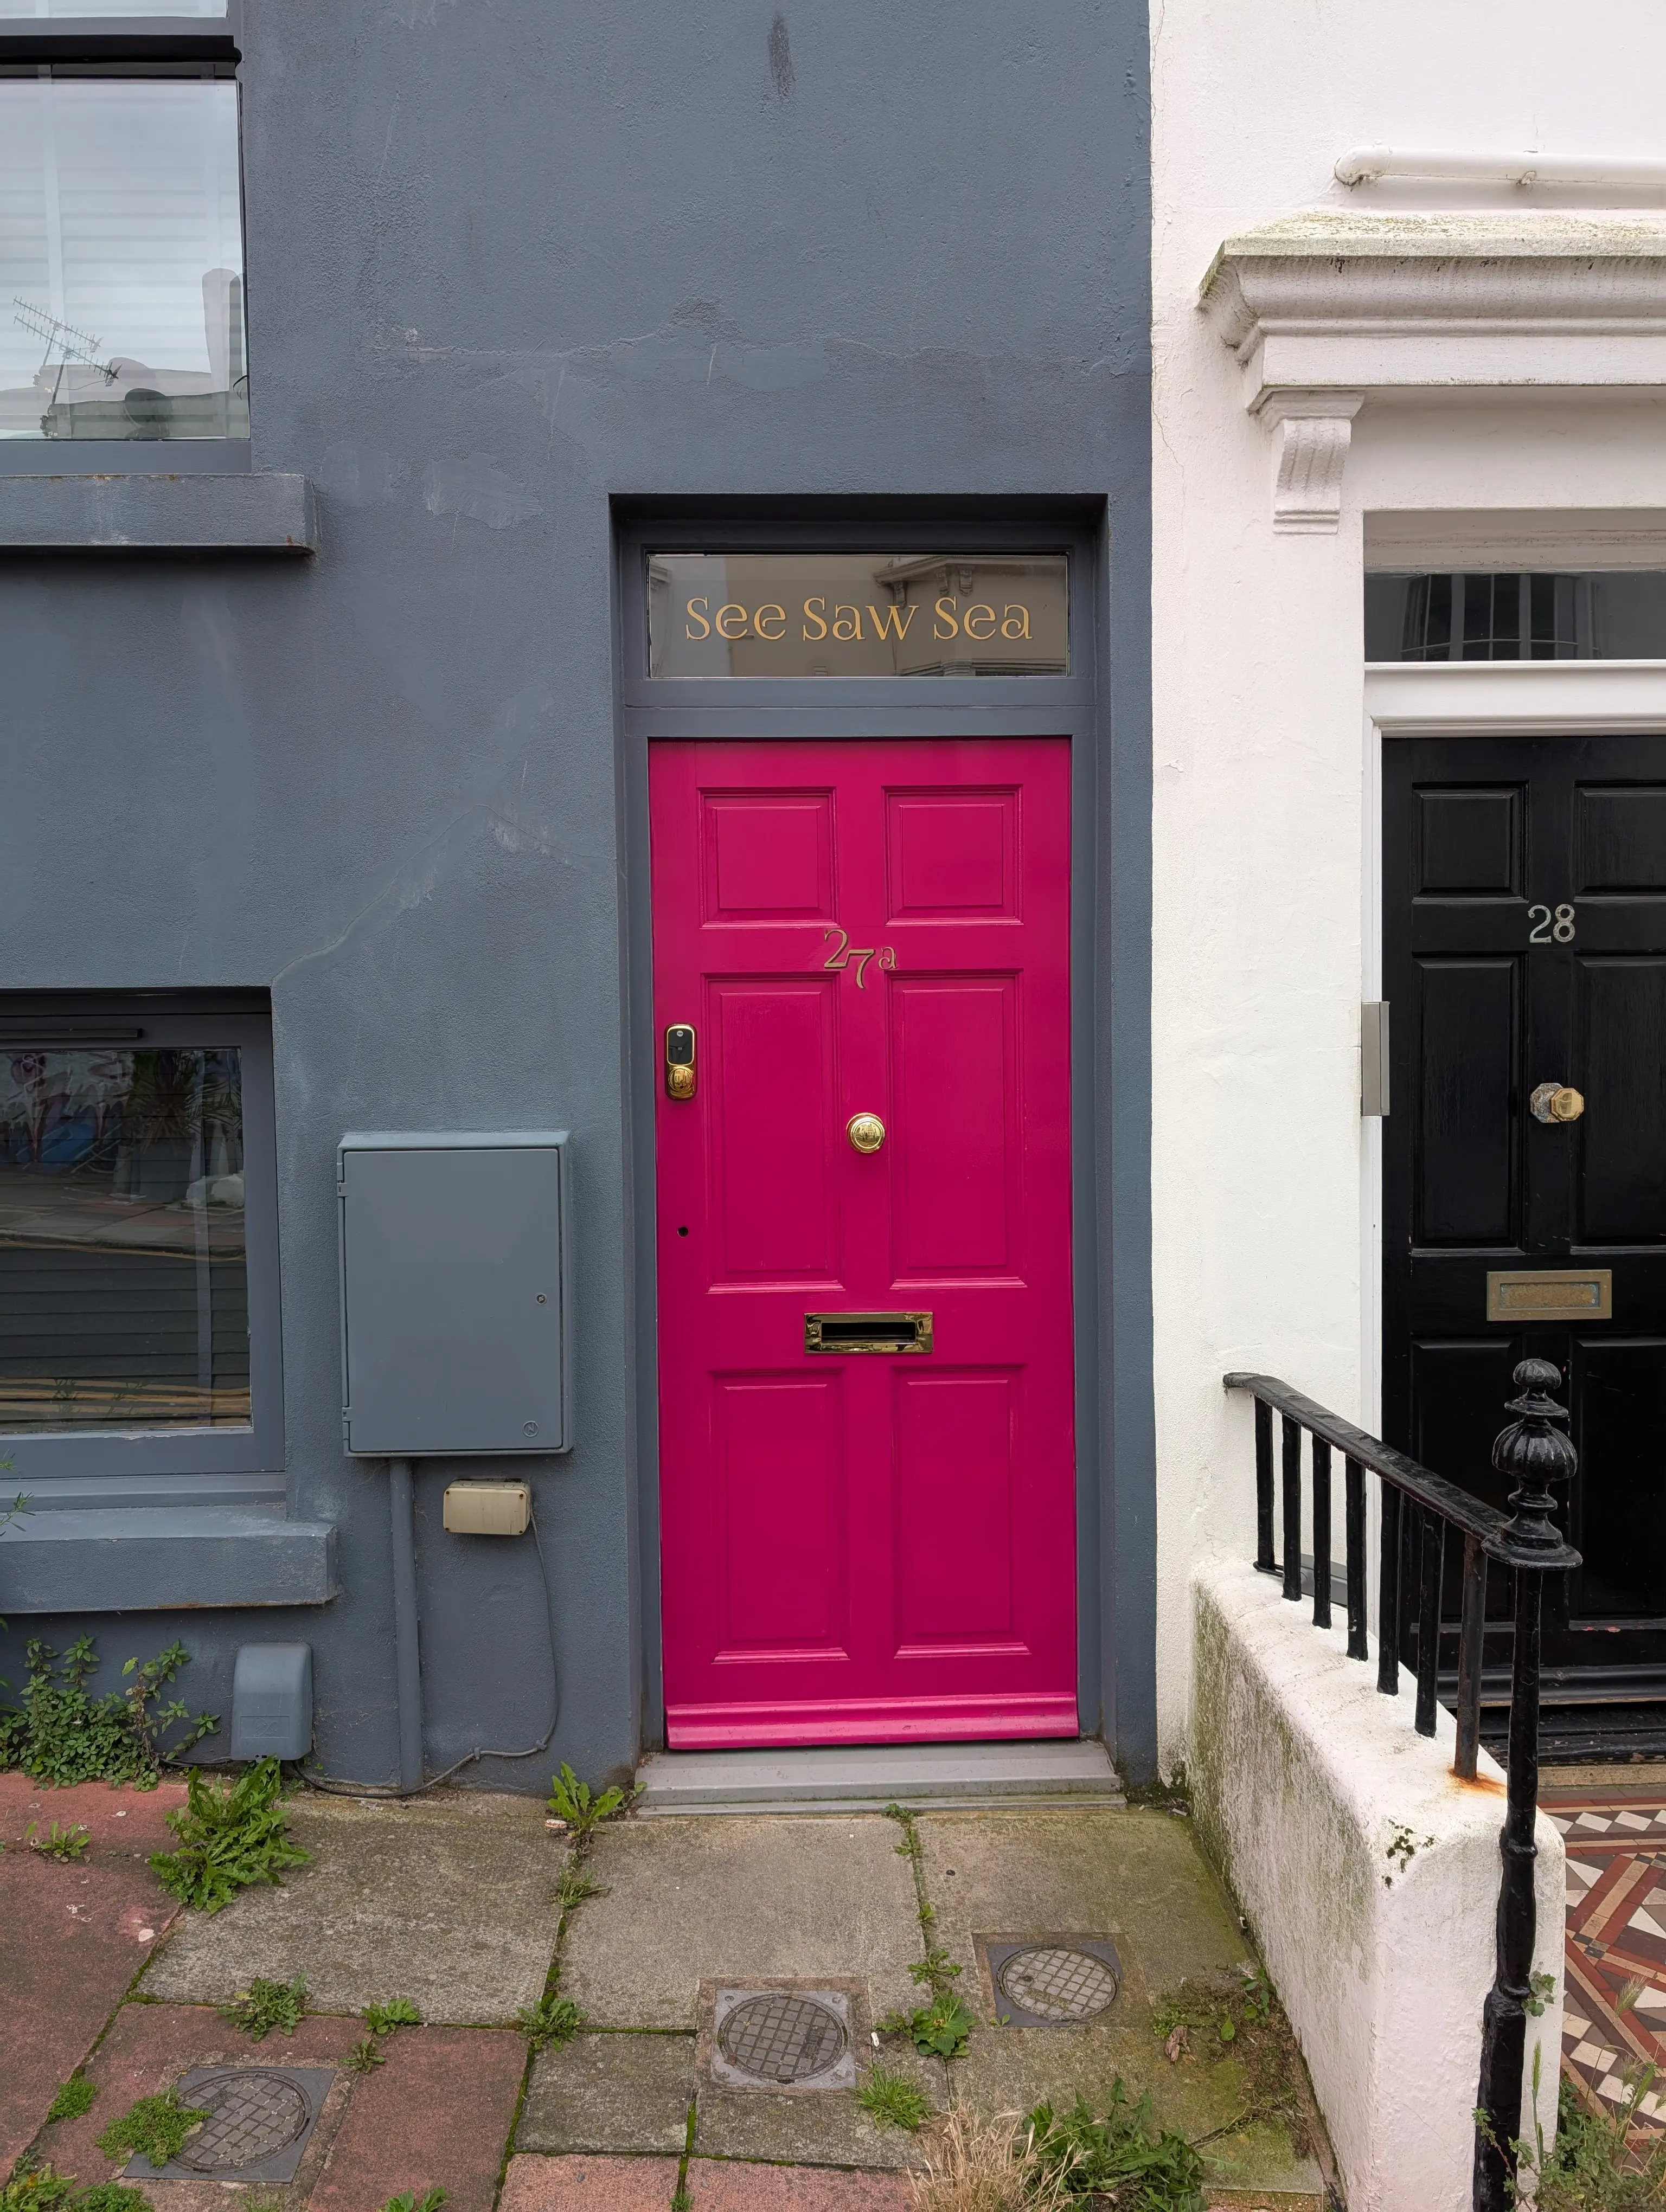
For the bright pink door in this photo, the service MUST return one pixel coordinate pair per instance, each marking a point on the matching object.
(865, 1546)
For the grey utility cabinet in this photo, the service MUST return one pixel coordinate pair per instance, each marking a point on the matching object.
(456, 1317)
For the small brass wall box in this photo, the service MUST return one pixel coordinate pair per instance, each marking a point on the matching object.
(487, 1509)
(1550, 1294)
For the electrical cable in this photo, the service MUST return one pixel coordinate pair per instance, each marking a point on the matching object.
(335, 1785)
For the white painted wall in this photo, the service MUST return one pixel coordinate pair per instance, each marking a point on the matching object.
(1263, 1174)
(1369, 1876)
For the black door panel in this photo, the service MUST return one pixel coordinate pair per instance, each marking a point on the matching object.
(1524, 943)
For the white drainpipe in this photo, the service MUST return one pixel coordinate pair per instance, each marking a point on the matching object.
(1366, 165)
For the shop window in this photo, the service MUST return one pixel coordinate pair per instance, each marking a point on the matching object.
(121, 247)
(137, 1277)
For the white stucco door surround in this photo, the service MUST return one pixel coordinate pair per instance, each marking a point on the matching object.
(1358, 387)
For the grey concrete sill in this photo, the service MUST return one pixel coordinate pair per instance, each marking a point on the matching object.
(135, 1558)
(191, 513)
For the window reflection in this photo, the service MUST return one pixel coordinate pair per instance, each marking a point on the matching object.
(1601, 615)
(123, 1286)
(121, 259)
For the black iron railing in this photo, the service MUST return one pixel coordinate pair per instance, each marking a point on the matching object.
(1420, 1513)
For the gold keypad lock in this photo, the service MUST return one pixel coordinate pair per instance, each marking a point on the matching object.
(680, 1061)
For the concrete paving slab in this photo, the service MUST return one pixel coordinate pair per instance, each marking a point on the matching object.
(724, 1898)
(811, 2127)
(72, 1937)
(610, 2092)
(150, 2046)
(447, 1900)
(435, 2114)
(1138, 1878)
(588, 2184)
(715, 2187)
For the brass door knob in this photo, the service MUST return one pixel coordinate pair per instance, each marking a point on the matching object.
(1557, 1101)
(866, 1132)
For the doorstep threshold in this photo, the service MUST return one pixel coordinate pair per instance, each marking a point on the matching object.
(866, 1778)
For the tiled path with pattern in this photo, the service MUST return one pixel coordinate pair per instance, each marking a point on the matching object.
(1614, 2022)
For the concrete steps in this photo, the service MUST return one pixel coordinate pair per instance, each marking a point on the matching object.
(866, 1778)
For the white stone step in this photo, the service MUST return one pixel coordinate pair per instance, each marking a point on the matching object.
(866, 1778)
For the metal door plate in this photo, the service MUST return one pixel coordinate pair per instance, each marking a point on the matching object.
(867, 1331)
(1550, 1294)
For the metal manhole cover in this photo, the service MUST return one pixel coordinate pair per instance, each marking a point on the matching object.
(1055, 1983)
(259, 2120)
(251, 2117)
(783, 2037)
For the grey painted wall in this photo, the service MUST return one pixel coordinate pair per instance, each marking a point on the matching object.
(508, 262)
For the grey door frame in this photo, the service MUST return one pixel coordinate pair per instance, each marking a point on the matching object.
(1110, 933)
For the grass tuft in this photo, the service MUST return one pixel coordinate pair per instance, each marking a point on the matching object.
(228, 1838)
(553, 2021)
(65, 1844)
(155, 2126)
(1125, 2157)
(397, 2012)
(986, 2165)
(891, 2101)
(74, 2099)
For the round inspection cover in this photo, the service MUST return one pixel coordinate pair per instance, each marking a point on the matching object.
(779, 2037)
(252, 2116)
(1055, 1982)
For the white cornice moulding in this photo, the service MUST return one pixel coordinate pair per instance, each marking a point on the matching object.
(1487, 698)
(1332, 306)
(1478, 539)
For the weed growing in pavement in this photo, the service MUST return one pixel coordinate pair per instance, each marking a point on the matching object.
(1244, 2013)
(892, 2100)
(156, 2126)
(39, 2189)
(1125, 2156)
(365, 2053)
(66, 1844)
(576, 1883)
(74, 2099)
(265, 2005)
(941, 2028)
(552, 2020)
(397, 2012)
(582, 1813)
(985, 2166)
(410, 2201)
(59, 1734)
(228, 1838)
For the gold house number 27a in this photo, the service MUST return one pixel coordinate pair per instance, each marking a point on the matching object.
(844, 952)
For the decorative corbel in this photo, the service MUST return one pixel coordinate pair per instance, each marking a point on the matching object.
(1310, 433)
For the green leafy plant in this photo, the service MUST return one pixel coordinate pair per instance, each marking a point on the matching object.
(892, 2100)
(572, 1803)
(410, 2201)
(1125, 2156)
(66, 1845)
(1598, 2163)
(74, 2099)
(265, 2005)
(155, 2126)
(111, 2196)
(36, 2190)
(397, 2012)
(228, 1838)
(365, 2053)
(60, 1734)
(940, 2029)
(552, 2020)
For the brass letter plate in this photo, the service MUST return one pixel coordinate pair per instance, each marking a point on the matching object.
(867, 1331)
(1550, 1294)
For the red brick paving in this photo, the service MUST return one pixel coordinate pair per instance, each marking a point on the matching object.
(437, 2113)
(72, 1936)
(588, 2184)
(722, 2186)
(150, 2045)
(133, 1821)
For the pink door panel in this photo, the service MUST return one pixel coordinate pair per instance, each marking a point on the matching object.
(865, 1547)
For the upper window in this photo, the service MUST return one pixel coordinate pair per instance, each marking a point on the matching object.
(1601, 615)
(121, 233)
(137, 1302)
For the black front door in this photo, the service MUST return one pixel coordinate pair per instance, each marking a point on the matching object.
(1524, 1155)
